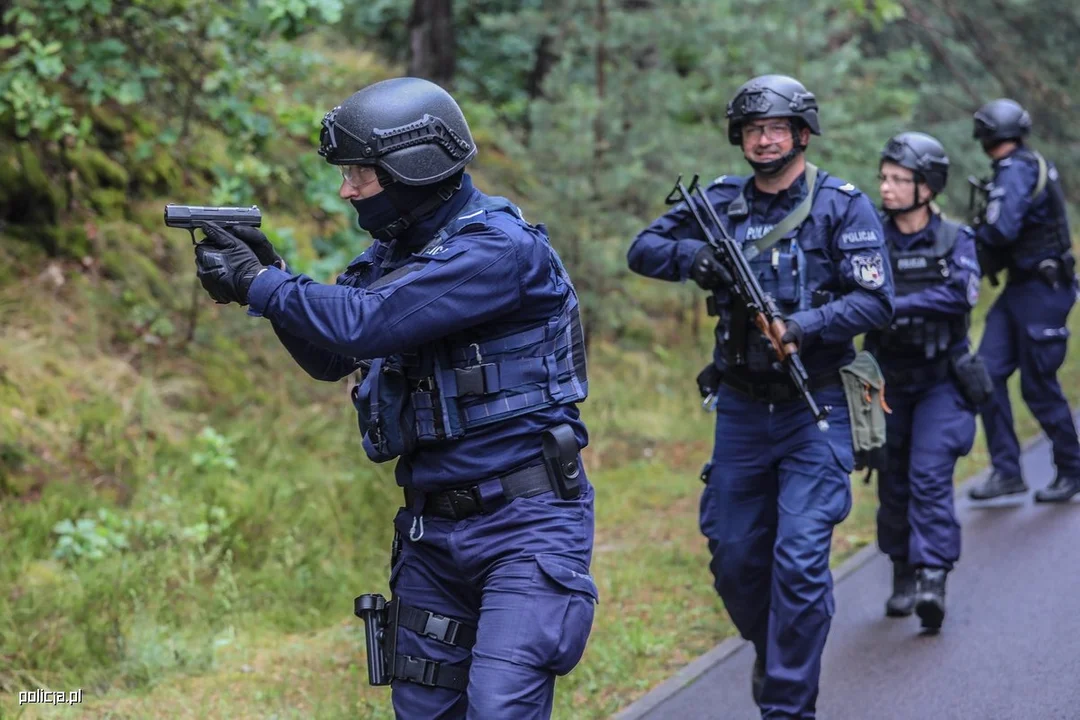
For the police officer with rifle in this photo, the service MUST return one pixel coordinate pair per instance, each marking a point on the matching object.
(1025, 232)
(805, 273)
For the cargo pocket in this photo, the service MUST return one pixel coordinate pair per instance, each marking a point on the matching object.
(563, 606)
(1048, 346)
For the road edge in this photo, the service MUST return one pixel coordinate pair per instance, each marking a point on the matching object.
(699, 666)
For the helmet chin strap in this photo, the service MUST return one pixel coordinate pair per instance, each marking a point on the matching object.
(893, 212)
(407, 219)
(775, 167)
(913, 206)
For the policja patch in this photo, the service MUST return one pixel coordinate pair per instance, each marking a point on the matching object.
(993, 211)
(868, 269)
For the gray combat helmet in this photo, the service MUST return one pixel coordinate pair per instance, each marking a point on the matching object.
(771, 96)
(409, 127)
(1000, 120)
(923, 155)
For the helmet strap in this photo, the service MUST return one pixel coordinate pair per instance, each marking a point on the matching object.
(442, 193)
(775, 167)
(919, 179)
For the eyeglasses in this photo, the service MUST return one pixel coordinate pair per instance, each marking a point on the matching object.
(895, 180)
(772, 131)
(357, 176)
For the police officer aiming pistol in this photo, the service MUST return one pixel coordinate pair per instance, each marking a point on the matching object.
(464, 326)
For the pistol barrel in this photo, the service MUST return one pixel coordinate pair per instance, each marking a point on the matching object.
(193, 216)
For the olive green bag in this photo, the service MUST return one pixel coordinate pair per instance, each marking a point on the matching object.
(864, 388)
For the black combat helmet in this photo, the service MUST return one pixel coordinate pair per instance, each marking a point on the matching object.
(771, 96)
(1000, 120)
(922, 154)
(409, 127)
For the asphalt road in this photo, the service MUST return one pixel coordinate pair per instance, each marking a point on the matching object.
(1009, 648)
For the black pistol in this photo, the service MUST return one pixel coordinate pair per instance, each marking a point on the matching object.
(191, 217)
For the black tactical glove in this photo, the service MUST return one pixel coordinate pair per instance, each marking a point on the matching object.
(226, 266)
(259, 244)
(792, 334)
(708, 272)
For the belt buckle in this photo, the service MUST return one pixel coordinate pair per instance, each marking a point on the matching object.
(775, 393)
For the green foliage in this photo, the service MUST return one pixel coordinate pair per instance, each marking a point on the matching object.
(215, 453)
(87, 539)
(172, 487)
(179, 59)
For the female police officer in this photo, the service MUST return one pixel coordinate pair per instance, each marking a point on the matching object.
(465, 325)
(932, 380)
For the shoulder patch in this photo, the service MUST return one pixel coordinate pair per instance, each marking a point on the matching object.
(973, 290)
(993, 211)
(1005, 162)
(846, 187)
(857, 238)
(868, 269)
(967, 262)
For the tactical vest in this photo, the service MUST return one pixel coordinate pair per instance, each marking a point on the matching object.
(471, 379)
(915, 269)
(1048, 237)
(781, 272)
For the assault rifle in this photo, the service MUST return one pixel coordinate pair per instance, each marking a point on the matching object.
(990, 261)
(761, 306)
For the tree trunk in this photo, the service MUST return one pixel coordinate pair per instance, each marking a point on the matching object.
(431, 41)
(542, 64)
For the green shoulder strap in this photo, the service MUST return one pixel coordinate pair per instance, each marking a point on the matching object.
(1040, 184)
(795, 218)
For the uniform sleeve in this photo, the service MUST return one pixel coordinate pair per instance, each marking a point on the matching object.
(960, 291)
(665, 249)
(866, 299)
(1008, 203)
(448, 288)
(315, 361)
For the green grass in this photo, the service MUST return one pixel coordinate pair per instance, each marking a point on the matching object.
(229, 558)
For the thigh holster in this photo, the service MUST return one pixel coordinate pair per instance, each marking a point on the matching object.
(383, 619)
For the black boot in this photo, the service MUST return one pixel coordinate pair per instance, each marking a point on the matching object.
(902, 601)
(930, 596)
(1061, 490)
(757, 679)
(998, 485)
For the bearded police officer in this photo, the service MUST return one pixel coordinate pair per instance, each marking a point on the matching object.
(777, 484)
(1025, 231)
(934, 382)
(464, 325)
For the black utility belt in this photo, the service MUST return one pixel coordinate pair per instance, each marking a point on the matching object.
(560, 472)
(1052, 271)
(932, 372)
(779, 391)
